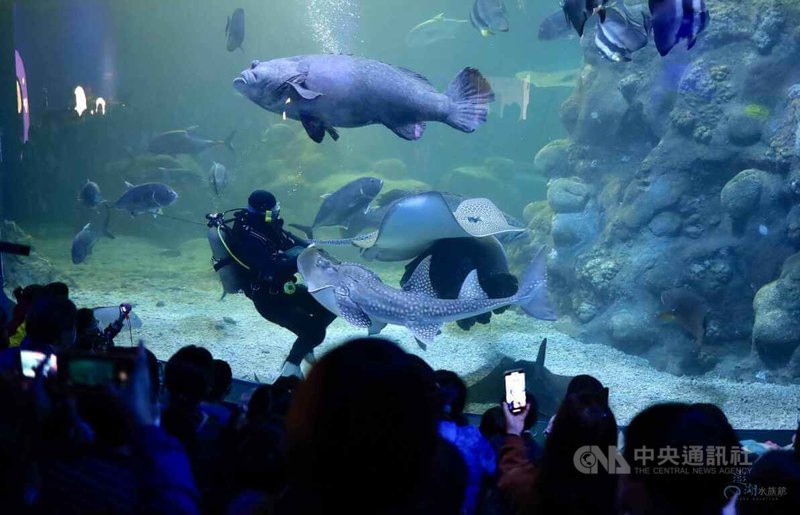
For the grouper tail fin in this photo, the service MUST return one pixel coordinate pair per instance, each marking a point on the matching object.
(532, 294)
(469, 95)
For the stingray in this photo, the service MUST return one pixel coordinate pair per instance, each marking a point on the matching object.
(413, 223)
(559, 79)
(548, 388)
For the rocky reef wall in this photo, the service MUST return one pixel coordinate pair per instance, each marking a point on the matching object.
(683, 172)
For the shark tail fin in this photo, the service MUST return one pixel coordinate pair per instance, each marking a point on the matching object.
(532, 296)
(540, 357)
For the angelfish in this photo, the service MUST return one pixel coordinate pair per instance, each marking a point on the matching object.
(578, 12)
(621, 35)
(674, 20)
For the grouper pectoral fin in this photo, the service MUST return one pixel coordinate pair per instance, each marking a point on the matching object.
(298, 83)
(420, 280)
(424, 333)
(410, 132)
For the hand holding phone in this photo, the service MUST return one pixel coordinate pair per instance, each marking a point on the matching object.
(85, 370)
(515, 390)
(30, 360)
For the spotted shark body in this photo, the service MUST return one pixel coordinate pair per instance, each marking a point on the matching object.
(358, 295)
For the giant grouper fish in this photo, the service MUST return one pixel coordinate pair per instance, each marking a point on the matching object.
(358, 295)
(324, 92)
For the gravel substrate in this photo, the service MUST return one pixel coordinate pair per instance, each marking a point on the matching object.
(178, 300)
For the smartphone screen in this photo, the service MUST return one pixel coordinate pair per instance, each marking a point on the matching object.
(96, 371)
(515, 390)
(29, 360)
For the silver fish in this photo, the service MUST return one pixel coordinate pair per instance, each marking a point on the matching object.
(218, 178)
(434, 30)
(149, 197)
(186, 142)
(347, 202)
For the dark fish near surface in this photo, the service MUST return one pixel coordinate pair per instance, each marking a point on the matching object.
(90, 195)
(341, 205)
(688, 309)
(555, 27)
(84, 241)
(489, 16)
(674, 20)
(578, 12)
(146, 198)
(185, 142)
(329, 91)
(621, 34)
(234, 29)
(218, 178)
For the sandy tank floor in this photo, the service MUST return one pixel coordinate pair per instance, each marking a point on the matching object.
(177, 298)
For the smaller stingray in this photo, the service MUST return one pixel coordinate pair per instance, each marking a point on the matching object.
(413, 223)
(548, 388)
(559, 79)
(688, 309)
(106, 315)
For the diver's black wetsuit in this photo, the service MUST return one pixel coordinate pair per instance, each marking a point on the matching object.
(452, 259)
(263, 247)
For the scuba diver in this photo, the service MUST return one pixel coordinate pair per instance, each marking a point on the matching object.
(452, 259)
(262, 261)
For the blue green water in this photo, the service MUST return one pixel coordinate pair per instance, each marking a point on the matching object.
(163, 65)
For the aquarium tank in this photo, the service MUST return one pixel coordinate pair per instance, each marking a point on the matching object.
(626, 192)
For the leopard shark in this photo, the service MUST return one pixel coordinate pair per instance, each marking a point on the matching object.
(359, 296)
